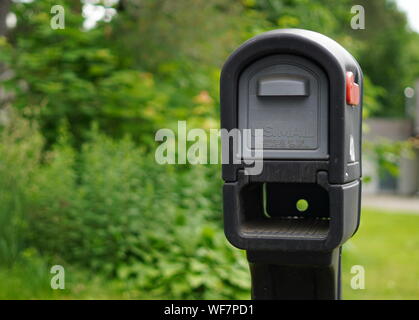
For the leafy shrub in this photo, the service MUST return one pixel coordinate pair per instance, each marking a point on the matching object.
(110, 209)
(20, 155)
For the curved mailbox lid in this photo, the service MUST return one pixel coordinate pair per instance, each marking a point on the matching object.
(287, 97)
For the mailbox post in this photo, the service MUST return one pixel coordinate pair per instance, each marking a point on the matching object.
(305, 91)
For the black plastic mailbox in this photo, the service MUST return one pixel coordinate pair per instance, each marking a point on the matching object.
(305, 91)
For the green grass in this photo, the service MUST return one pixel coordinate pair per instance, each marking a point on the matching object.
(386, 245)
(30, 279)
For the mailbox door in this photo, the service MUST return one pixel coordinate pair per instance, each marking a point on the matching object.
(286, 96)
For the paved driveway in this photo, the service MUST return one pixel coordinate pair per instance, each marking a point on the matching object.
(392, 203)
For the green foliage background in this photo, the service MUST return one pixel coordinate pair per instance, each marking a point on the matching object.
(79, 183)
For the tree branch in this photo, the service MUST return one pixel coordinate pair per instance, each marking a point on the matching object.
(4, 10)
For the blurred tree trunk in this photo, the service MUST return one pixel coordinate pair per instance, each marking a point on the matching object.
(4, 10)
(5, 97)
(77, 6)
